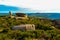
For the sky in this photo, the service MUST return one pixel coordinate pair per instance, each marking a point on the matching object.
(34, 5)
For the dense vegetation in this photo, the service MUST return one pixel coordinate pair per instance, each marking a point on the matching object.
(44, 29)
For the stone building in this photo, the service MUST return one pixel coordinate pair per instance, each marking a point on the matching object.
(18, 15)
(21, 16)
(24, 27)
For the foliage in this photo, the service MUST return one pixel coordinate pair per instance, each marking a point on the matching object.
(44, 29)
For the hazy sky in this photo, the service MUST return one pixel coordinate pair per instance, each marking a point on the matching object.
(40, 5)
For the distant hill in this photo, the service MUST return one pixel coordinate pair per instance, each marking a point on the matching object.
(8, 8)
(15, 9)
(46, 15)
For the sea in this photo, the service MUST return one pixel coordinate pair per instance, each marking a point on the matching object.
(45, 15)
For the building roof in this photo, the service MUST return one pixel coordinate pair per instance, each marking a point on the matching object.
(20, 14)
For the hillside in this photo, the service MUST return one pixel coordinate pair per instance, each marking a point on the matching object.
(44, 29)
